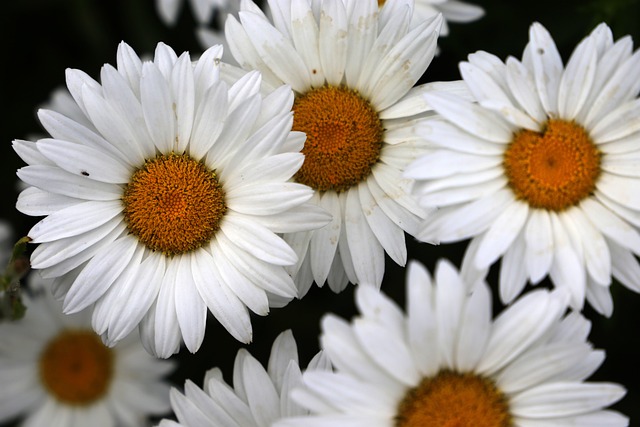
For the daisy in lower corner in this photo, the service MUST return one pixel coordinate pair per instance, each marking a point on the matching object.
(353, 68)
(542, 169)
(165, 203)
(447, 362)
(56, 372)
(259, 397)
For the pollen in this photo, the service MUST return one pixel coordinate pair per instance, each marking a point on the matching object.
(454, 400)
(76, 368)
(174, 204)
(344, 138)
(554, 169)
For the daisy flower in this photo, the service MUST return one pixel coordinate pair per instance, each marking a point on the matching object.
(543, 170)
(55, 371)
(446, 362)
(260, 396)
(203, 10)
(353, 69)
(170, 201)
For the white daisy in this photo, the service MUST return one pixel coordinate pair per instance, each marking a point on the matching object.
(203, 10)
(55, 371)
(353, 69)
(446, 362)
(543, 170)
(170, 202)
(259, 398)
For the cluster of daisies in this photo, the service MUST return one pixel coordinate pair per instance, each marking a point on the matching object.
(180, 186)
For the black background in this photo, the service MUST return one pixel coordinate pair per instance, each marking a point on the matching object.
(41, 38)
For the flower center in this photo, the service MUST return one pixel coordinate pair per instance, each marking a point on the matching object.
(554, 169)
(76, 368)
(454, 400)
(344, 138)
(173, 204)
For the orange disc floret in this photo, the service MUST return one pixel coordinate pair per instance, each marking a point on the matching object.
(173, 204)
(344, 138)
(554, 169)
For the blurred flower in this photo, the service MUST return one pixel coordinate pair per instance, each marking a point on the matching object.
(169, 201)
(543, 170)
(55, 371)
(447, 362)
(211, 36)
(203, 10)
(451, 10)
(353, 70)
(260, 396)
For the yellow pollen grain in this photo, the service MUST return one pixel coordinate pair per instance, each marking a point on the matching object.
(76, 368)
(344, 138)
(452, 399)
(554, 169)
(173, 204)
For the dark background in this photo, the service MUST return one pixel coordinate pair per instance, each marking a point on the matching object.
(41, 38)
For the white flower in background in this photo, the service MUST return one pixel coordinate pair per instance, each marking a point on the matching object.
(169, 202)
(353, 69)
(446, 362)
(451, 10)
(259, 397)
(203, 10)
(56, 372)
(211, 36)
(543, 170)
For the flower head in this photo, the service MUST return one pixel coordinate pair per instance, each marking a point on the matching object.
(447, 362)
(541, 169)
(353, 68)
(56, 371)
(259, 397)
(167, 204)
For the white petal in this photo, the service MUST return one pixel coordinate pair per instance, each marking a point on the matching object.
(564, 399)
(501, 234)
(577, 79)
(471, 117)
(190, 309)
(547, 67)
(324, 241)
(365, 250)
(224, 305)
(333, 40)
(157, 107)
(99, 274)
(257, 240)
(539, 240)
(74, 220)
(85, 161)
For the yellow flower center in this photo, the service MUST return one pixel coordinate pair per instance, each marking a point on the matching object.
(76, 368)
(344, 138)
(554, 169)
(173, 204)
(454, 400)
